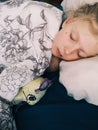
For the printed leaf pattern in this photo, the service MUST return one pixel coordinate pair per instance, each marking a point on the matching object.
(20, 61)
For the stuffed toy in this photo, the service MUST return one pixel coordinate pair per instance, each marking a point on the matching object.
(33, 91)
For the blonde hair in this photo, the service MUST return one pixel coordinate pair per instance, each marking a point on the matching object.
(87, 12)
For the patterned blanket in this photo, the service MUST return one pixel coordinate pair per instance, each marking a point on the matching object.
(27, 29)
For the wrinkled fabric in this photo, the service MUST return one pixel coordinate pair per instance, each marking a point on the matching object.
(25, 43)
(80, 78)
(27, 30)
(7, 121)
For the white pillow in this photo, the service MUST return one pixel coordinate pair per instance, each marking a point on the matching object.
(74, 4)
(80, 79)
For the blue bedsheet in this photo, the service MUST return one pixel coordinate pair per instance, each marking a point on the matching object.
(57, 111)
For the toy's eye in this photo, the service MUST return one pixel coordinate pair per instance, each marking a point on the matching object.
(31, 97)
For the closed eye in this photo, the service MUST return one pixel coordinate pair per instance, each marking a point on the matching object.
(71, 37)
(74, 36)
(81, 54)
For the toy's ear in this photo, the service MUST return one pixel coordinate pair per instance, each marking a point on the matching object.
(45, 84)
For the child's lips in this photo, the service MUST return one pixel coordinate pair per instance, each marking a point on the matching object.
(58, 53)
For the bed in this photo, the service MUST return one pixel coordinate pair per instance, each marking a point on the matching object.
(56, 110)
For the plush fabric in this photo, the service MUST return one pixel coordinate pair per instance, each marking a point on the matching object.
(80, 79)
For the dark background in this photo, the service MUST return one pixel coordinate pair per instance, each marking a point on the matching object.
(53, 2)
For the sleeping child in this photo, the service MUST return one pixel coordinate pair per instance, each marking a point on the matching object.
(28, 38)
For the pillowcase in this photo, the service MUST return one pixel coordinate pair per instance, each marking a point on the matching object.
(74, 4)
(80, 79)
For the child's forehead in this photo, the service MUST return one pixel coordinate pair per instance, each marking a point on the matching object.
(85, 21)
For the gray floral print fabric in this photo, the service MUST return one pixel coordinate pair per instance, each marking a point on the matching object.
(26, 34)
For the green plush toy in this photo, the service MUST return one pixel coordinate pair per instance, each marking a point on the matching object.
(33, 91)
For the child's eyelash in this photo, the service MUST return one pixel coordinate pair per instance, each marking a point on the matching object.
(71, 37)
(78, 53)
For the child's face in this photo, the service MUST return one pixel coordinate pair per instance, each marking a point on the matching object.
(75, 41)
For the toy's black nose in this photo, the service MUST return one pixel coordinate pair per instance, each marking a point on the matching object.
(31, 97)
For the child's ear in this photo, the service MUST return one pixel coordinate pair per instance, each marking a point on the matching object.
(68, 20)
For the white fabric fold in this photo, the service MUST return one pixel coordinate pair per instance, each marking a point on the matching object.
(80, 78)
